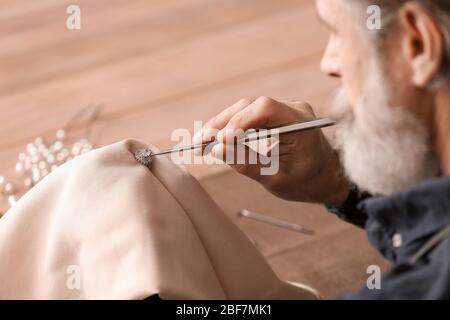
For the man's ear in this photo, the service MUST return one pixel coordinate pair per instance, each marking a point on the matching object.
(422, 43)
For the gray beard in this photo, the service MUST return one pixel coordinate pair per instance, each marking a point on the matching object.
(383, 149)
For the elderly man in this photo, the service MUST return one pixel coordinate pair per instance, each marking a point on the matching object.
(388, 165)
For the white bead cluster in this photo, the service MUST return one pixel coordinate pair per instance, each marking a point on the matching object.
(7, 189)
(38, 160)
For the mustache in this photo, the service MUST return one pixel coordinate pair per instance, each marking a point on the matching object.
(340, 109)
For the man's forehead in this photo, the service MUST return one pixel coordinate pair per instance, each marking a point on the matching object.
(324, 11)
(332, 12)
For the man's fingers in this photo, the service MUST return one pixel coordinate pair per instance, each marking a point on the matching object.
(210, 129)
(239, 157)
(245, 159)
(249, 114)
(262, 113)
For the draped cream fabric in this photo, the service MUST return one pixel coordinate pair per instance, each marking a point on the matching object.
(128, 232)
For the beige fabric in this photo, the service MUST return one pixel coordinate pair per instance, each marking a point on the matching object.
(131, 232)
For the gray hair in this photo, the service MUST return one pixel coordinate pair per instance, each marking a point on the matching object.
(438, 9)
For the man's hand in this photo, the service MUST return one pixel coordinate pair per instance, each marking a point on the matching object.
(309, 171)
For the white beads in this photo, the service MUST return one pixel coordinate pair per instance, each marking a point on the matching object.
(50, 158)
(12, 201)
(39, 141)
(60, 134)
(76, 150)
(62, 156)
(28, 183)
(8, 189)
(36, 175)
(31, 149)
(57, 146)
(19, 167)
(42, 165)
(40, 158)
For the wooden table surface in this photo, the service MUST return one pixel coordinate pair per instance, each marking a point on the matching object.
(158, 65)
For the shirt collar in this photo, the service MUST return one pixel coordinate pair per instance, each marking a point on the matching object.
(400, 223)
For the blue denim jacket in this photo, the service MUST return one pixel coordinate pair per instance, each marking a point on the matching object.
(399, 226)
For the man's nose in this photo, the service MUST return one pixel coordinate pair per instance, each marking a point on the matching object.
(330, 62)
(330, 66)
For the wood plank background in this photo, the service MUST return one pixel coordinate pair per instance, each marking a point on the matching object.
(158, 65)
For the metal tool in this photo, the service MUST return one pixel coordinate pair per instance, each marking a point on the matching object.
(275, 222)
(145, 154)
